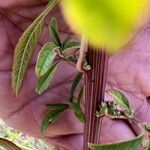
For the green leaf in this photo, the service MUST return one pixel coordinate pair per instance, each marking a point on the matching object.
(8, 145)
(123, 145)
(50, 118)
(45, 58)
(146, 127)
(76, 82)
(57, 106)
(77, 111)
(44, 81)
(120, 98)
(54, 32)
(56, 148)
(68, 44)
(80, 96)
(25, 47)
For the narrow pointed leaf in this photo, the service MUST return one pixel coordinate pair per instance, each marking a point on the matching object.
(76, 82)
(45, 58)
(124, 145)
(68, 44)
(50, 118)
(25, 47)
(8, 145)
(80, 96)
(120, 98)
(77, 111)
(57, 106)
(54, 32)
(44, 81)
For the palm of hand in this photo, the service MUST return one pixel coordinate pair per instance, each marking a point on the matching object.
(128, 71)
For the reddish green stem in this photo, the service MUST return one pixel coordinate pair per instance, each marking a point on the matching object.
(95, 81)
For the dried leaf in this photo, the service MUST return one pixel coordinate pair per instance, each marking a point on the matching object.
(25, 47)
(54, 32)
(8, 145)
(50, 118)
(120, 98)
(57, 106)
(44, 81)
(45, 58)
(77, 111)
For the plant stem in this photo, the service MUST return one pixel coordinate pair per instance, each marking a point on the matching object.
(95, 81)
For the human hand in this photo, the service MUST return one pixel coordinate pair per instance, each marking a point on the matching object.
(128, 71)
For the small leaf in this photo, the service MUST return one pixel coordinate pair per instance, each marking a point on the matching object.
(80, 96)
(8, 145)
(50, 118)
(45, 58)
(54, 32)
(132, 144)
(57, 106)
(76, 82)
(68, 44)
(146, 127)
(56, 148)
(44, 81)
(120, 98)
(25, 47)
(77, 111)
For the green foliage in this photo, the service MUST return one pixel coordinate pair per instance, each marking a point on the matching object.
(110, 110)
(45, 58)
(120, 98)
(44, 81)
(75, 83)
(80, 96)
(8, 145)
(77, 111)
(56, 148)
(50, 118)
(68, 44)
(54, 32)
(45, 69)
(146, 127)
(57, 109)
(123, 145)
(57, 106)
(24, 49)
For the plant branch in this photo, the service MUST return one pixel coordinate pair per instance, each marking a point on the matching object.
(95, 81)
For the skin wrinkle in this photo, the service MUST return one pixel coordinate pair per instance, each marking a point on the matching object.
(11, 21)
(12, 46)
(38, 96)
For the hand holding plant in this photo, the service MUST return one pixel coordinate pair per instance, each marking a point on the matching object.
(26, 112)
